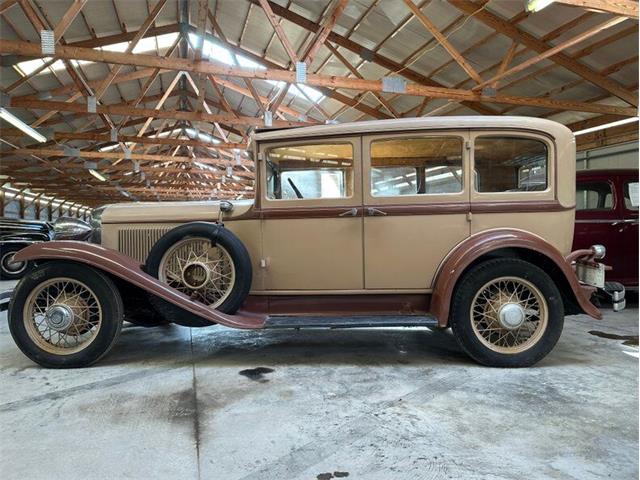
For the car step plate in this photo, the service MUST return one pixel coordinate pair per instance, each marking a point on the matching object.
(358, 321)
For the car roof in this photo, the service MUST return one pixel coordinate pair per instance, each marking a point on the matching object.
(556, 130)
(611, 172)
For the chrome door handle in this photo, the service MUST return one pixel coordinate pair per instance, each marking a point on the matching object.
(352, 212)
(374, 212)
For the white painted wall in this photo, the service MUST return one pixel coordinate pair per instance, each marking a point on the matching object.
(624, 155)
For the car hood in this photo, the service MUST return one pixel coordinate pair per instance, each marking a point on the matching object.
(170, 212)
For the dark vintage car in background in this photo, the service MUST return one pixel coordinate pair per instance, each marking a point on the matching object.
(16, 234)
(607, 212)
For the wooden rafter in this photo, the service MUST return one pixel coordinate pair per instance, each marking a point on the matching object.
(9, 46)
(516, 34)
(444, 41)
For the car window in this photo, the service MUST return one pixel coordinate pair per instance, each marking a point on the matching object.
(322, 170)
(416, 166)
(594, 196)
(631, 195)
(510, 164)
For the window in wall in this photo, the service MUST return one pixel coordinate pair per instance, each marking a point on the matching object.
(510, 164)
(631, 196)
(416, 166)
(594, 196)
(317, 171)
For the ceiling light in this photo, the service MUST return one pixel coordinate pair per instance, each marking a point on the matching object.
(537, 5)
(16, 122)
(98, 175)
(606, 125)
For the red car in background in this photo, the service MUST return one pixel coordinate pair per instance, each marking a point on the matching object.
(607, 213)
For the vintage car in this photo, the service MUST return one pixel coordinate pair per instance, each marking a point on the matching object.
(16, 234)
(461, 222)
(607, 210)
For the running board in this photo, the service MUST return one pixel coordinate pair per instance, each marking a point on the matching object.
(358, 321)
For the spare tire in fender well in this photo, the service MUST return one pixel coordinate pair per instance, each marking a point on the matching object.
(220, 237)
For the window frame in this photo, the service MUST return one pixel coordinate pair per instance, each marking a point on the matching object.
(612, 188)
(534, 195)
(421, 198)
(354, 200)
(624, 185)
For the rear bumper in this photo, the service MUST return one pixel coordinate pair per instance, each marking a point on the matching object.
(587, 259)
(616, 294)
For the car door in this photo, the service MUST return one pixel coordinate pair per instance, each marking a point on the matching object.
(598, 218)
(416, 205)
(311, 207)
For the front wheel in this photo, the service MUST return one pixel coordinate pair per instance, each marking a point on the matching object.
(65, 315)
(507, 313)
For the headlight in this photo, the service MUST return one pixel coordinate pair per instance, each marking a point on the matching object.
(67, 228)
(96, 225)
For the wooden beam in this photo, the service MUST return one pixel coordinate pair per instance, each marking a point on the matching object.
(273, 20)
(323, 33)
(6, 5)
(134, 41)
(97, 137)
(626, 8)
(68, 18)
(203, 9)
(376, 57)
(552, 51)
(442, 40)
(10, 46)
(148, 112)
(513, 32)
(47, 152)
(505, 62)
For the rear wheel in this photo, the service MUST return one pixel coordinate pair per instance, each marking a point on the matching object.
(65, 315)
(11, 269)
(507, 313)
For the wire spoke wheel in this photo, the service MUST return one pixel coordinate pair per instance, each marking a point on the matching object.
(509, 315)
(199, 269)
(62, 316)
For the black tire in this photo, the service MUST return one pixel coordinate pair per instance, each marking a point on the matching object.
(106, 294)
(8, 269)
(471, 283)
(219, 236)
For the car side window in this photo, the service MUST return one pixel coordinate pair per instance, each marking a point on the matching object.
(631, 196)
(594, 196)
(510, 164)
(314, 171)
(416, 166)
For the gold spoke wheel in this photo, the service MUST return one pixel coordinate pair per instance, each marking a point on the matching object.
(509, 315)
(62, 316)
(203, 271)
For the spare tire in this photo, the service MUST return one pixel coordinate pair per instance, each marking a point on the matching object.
(204, 261)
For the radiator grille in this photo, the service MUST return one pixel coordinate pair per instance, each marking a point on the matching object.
(137, 241)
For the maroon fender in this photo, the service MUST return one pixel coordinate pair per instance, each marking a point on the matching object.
(126, 268)
(477, 245)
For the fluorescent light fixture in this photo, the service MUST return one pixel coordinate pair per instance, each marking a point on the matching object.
(16, 122)
(537, 5)
(606, 125)
(97, 175)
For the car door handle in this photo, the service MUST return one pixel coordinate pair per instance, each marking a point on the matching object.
(374, 212)
(352, 212)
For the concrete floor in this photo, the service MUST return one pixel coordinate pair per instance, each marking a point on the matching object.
(216, 403)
